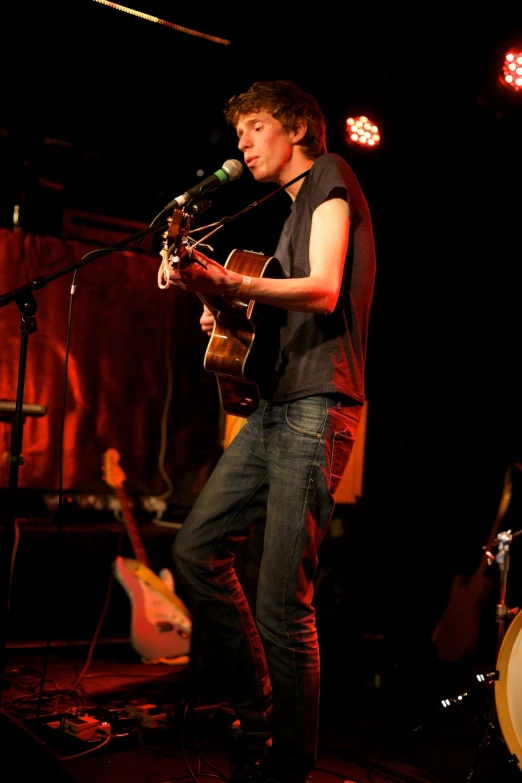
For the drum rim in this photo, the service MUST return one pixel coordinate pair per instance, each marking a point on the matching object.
(501, 695)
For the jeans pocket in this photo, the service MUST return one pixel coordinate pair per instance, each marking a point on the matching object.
(307, 415)
(344, 429)
(342, 444)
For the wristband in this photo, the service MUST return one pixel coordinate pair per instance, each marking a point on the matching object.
(244, 288)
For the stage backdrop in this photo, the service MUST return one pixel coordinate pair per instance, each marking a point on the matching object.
(135, 374)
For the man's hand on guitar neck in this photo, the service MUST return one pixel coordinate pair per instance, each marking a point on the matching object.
(207, 320)
(206, 277)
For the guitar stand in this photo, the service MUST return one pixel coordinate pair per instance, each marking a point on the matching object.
(503, 614)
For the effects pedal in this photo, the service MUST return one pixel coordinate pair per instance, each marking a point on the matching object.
(84, 726)
(148, 715)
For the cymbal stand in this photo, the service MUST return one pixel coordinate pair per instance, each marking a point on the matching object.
(502, 559)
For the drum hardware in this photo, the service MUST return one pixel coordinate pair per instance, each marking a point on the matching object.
(488, 678)
(503, 613)
(453, 699)
(508, 684)
(504, 714)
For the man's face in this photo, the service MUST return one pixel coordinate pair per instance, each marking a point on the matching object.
(265, 144)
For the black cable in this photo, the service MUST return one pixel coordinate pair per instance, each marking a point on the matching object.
(196, 778)
(102, 616)
(76, 693)
(485, 739)
(230, 218)
(59, 514)
(46, 700)
(64, 396)
(202, 755)
(342, 775)
(183, 747)
(21, 678)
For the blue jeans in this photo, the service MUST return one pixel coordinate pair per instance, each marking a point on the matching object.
(281, 469)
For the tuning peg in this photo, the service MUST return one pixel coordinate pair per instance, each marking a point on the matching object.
(490, 558)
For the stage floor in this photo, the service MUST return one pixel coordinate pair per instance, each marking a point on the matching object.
(366, 734)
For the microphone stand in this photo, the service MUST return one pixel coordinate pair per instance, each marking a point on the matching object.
(23, 296)
(28, 306)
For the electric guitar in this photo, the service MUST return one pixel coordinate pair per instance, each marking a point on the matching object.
(455, 635)
(242, 348)
(161, 624)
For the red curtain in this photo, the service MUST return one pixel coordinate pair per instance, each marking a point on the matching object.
(135, 382)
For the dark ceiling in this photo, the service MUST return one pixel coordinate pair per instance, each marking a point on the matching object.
(135, 108)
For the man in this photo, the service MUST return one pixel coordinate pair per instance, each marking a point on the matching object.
(284, 464)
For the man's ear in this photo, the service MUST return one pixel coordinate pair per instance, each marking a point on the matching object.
(300, 132)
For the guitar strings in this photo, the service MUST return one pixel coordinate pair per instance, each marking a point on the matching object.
(163, 271)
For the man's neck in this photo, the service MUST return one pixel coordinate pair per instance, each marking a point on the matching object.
(298, 165)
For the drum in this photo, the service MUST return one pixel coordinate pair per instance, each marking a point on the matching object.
(508, 688)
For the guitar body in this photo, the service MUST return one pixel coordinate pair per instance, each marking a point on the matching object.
(456, 633)
(160, 627)
(243, 347)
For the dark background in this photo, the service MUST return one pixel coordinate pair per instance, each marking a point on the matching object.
(123, 112)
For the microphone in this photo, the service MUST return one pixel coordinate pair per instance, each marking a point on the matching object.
(231, 169)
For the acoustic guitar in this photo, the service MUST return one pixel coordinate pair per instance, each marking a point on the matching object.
(243, 346)
(455, 635)
(161, 625)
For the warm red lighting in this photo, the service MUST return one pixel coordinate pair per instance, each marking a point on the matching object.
(511, 74)
(362, 132)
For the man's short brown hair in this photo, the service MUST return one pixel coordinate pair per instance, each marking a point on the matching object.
(287, 103)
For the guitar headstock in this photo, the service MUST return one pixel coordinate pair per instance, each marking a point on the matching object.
(174, 245)
(175, 239)
(112, 472)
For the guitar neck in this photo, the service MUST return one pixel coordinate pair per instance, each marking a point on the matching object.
(505, 500)
(214, 302)
(132, 528)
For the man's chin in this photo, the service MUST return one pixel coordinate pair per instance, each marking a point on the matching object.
(260, 177)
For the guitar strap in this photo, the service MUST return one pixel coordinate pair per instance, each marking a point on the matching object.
(242, 212)
(163, 280)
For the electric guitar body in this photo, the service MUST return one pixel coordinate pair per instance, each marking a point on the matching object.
(161, 625)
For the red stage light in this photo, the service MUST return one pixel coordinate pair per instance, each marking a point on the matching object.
(511, 73)
(362, 132)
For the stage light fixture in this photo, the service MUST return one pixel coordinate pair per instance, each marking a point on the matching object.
(362, 132)
(510, 76)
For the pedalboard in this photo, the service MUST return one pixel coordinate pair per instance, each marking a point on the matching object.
(96, 724)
